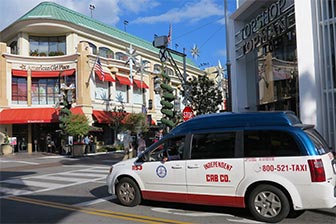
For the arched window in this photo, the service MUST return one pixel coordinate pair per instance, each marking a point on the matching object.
(106, 52)
(147, 63)
(170, 72)
(157, 68)
(121, 56)
(93, 48)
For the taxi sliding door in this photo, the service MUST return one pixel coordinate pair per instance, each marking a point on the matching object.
(213, 172)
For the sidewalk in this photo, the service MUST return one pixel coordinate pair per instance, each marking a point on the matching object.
(26, 155)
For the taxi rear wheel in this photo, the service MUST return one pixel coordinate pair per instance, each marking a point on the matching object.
(268, 204)
(128, 192)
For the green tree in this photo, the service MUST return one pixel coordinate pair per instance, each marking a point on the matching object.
(204, 95)
(135, 122)
(116, 123)
(76, 125)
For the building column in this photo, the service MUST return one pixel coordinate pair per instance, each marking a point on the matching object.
(30, 139)
(3, 77)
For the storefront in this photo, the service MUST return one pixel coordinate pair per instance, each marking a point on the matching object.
(283, 58)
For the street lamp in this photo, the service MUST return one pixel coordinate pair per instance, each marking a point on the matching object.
(92, 7)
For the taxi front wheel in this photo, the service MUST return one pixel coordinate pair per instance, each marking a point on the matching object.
(268, 204)
(128, 192)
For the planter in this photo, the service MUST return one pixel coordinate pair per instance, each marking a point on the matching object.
(6, 149)
(78, 150)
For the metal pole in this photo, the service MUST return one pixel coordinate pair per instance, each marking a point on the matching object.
(228, 64)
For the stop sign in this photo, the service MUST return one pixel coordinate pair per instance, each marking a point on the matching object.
(187, 113)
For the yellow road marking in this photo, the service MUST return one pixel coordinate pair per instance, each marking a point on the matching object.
(105, 213)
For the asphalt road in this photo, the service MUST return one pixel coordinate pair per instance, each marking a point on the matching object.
(46, 188)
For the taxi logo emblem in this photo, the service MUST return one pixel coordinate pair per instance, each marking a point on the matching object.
(161, 171)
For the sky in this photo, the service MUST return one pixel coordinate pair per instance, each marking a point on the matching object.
(196, 24)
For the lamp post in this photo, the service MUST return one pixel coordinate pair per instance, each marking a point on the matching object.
(125, 24)
(92, 7)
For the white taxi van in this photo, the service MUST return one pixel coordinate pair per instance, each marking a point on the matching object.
(268, 162)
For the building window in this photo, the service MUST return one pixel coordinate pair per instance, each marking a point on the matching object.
(106, 52)
(137, 94)
(102, 90)
(170, 72)
(13, 47)
(121, 93)
(121, 56)
(47, 46)
(45, 91)
(19, 90)
(157, 68)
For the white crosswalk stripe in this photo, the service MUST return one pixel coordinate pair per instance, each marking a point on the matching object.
(47, 182)
(32, 183)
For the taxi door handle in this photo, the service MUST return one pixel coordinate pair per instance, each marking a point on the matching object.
(176, 167)
(193, 167)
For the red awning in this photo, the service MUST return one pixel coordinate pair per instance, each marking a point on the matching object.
(105, 117)
(20, 73)
(43, 74)
(32, 115)
(107, 76)
(123, 80)
(28, 115)
(138, 84)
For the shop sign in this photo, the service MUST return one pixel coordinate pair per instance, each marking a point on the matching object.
(43, 68)
(273, 22)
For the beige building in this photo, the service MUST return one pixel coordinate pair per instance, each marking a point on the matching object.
(51, 47)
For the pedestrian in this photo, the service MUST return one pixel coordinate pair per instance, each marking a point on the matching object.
(141, 144)
(86, 142)
(160, 134)
(92, 144)
(48, 143)
(127, 142)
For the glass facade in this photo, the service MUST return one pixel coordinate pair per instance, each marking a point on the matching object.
(277, 74)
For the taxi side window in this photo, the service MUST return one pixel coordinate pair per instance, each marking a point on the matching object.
(269, 143)
(213, 145)
(172, 149)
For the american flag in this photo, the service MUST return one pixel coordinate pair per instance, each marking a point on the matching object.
(99, 69)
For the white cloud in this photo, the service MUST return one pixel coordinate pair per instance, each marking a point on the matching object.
(137, 6)
(192, 11)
